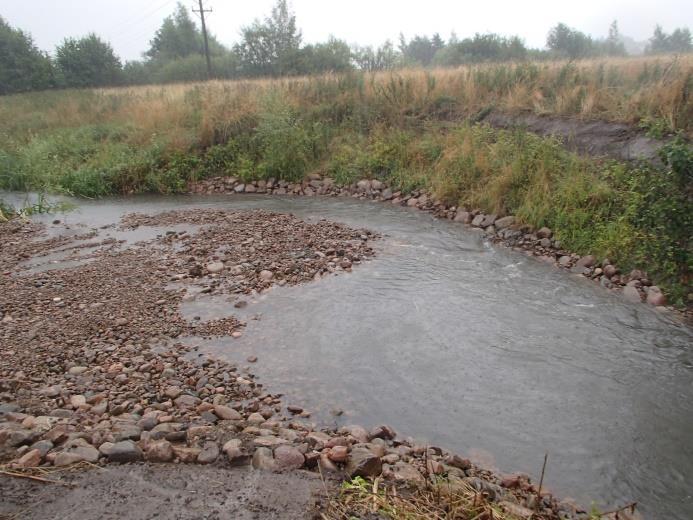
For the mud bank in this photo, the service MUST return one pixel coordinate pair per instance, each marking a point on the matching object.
(594, 138)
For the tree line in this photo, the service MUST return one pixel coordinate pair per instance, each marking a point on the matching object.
(274, 47)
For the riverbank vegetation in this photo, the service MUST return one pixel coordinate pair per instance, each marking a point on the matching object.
(414, 129)
(437, 499)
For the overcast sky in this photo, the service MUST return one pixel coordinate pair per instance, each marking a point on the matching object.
(130, 24)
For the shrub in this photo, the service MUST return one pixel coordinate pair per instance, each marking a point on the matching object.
(287, 144)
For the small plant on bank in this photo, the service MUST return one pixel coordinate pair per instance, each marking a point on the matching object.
(41, 205)
(440, 499)
(6, 211)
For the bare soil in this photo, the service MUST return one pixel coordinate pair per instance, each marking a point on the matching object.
(595, 138)
(170, 491)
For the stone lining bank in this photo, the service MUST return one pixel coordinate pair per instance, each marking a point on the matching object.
(635, 285)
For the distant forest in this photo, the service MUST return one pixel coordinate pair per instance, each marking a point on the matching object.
(274, 47)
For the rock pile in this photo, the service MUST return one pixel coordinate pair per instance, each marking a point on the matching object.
(91, 367)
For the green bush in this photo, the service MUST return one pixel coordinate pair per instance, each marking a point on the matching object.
(287, 144)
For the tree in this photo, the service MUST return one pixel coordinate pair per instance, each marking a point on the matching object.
(271, 47)
(481, 48)
(678, 41)
(569, 42)
(437, 41)
(420, 50)
(137, 73)
(178, 37)
(381, 58)
(23, 66)
(614, 46)
(659, 41)
(88, 62)
(333, 56)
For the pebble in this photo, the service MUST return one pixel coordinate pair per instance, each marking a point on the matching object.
(159, 451)
(363, 463)
(255, 418)
(586, 261)
(186, 454)
(565, 261)
(338, 454)
(227, 414)
(655, 296)
(358, 432)
(215, 267)
(504, 222)
(382, 432)
(74, 451)
(544, 232)
(123, 451)
(209, 453)
(30, 459)
(407, 473)
(288, 457)
(632, 294)
(235, 453)
(263, 459)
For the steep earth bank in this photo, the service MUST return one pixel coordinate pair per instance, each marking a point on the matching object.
(595, 138)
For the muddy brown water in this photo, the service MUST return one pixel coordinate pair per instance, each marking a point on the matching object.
(471, 347)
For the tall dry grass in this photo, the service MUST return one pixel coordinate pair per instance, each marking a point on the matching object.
(652, 90)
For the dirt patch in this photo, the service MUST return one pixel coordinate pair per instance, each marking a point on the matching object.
(595, 138)
(163, 491)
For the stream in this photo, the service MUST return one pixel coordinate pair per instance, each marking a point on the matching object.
(471, 347)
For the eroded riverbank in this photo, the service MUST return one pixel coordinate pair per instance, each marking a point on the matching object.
(469, 347)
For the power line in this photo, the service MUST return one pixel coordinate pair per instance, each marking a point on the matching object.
(202, 12)
(132, 22)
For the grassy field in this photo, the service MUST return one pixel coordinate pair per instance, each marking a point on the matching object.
(395, 127)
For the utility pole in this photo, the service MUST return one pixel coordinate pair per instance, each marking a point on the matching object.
(202, 12)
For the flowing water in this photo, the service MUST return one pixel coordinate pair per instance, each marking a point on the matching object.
(471, 347)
